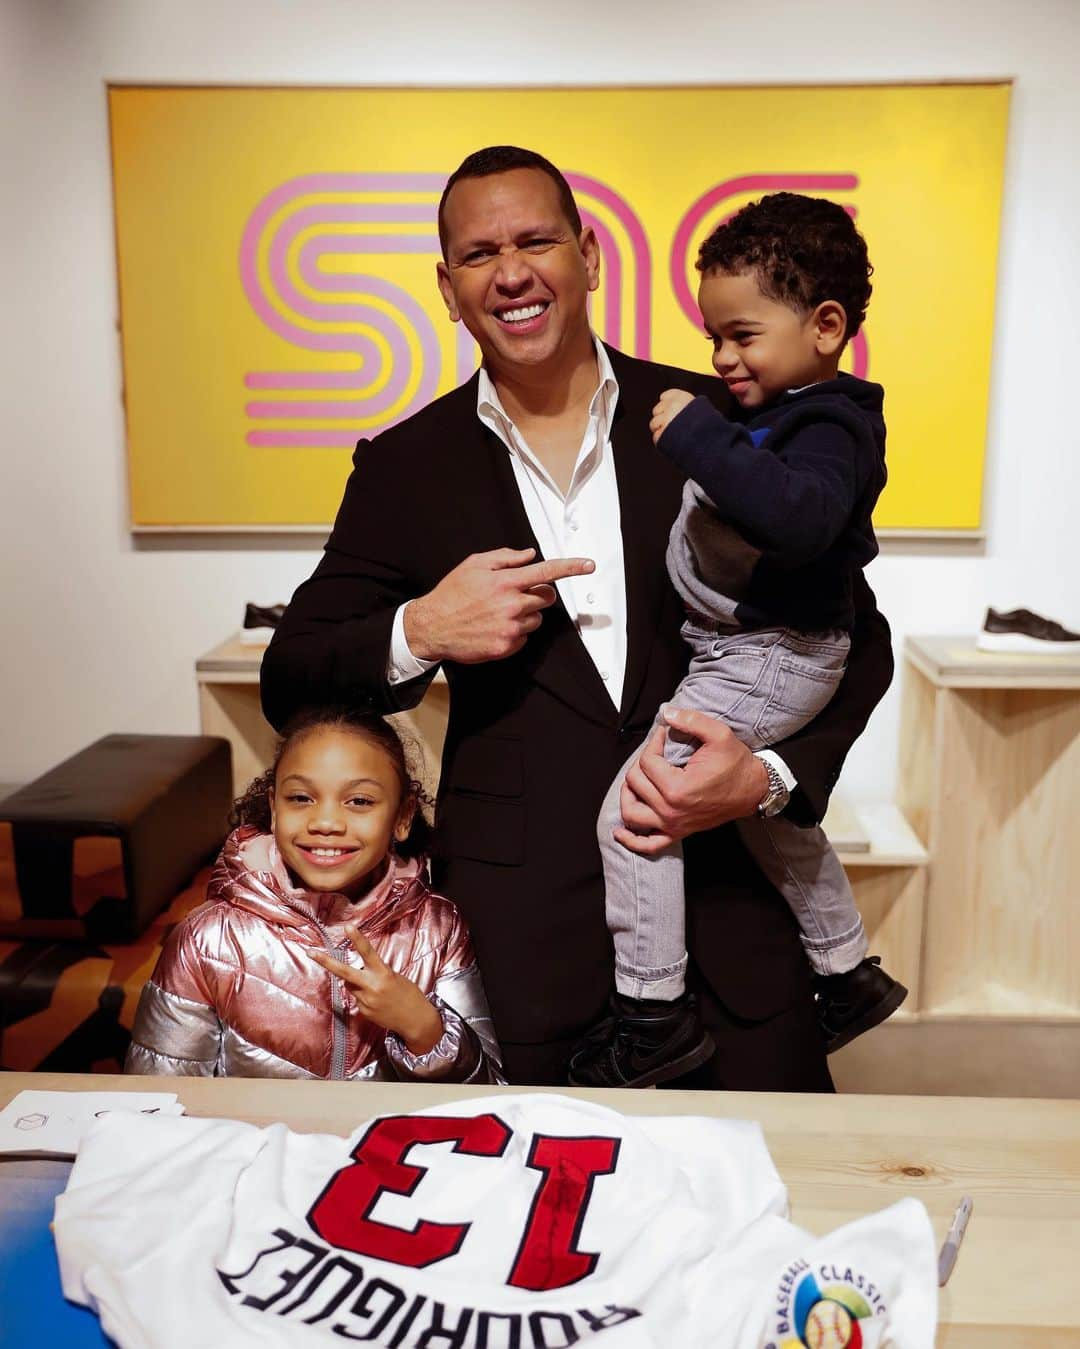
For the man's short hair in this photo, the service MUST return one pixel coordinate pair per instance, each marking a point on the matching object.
(802, 250)
(502, 159)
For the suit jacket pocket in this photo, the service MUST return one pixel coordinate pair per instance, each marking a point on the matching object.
(482, 814)
(488, 765)
(484, 828)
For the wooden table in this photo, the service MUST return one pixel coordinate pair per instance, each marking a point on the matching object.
(1015, 1282)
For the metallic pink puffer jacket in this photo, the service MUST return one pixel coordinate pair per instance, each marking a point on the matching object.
(235, 993)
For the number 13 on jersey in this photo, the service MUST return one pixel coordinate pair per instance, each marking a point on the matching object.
(547, 1255)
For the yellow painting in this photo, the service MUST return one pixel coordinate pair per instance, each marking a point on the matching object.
(277, 247)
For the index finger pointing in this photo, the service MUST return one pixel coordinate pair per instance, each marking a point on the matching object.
(553, 569)
(498, 559)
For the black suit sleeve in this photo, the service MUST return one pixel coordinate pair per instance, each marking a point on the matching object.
(333, 642)
(817, 753)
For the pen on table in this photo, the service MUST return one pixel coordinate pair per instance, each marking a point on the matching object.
(953, 1238)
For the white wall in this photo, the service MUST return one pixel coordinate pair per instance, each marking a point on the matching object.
(99, 636)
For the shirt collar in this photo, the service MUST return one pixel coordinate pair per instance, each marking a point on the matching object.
(491, 412)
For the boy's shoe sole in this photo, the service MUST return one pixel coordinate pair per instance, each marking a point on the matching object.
(880, 1012)
(664, 1072)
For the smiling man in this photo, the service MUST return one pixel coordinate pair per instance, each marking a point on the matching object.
(514, 532)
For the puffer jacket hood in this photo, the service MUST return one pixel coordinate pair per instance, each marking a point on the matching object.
(251, 874)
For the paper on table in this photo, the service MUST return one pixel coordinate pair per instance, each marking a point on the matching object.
(51, 1123)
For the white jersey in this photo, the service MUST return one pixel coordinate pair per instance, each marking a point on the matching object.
(511, 1222)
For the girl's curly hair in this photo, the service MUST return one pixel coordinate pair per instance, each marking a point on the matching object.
(253, 807)
(803, 251)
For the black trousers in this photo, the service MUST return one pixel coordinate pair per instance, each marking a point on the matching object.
(786, 1052)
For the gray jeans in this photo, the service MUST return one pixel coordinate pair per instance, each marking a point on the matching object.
(765, 686)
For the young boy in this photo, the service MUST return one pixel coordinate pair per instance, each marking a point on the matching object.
(774, 522)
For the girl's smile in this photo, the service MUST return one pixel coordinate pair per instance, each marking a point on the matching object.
(336, 809)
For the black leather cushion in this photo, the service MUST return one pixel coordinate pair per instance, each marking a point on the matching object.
(103, 842)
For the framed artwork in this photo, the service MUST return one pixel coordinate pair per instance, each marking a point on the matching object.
(276, 253)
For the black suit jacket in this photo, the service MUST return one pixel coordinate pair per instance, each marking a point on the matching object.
(534, 741)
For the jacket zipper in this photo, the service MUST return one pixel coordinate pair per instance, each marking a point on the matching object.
(337, 1000)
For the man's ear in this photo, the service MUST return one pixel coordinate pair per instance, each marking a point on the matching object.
(446, 290)
(590, 251)
(830, 325)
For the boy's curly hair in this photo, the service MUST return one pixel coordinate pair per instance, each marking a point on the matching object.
(803, 251)
(253, 807)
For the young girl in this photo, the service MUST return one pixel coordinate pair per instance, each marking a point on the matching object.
(320, 951)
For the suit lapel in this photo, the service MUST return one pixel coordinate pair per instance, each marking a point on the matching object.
(644, 522)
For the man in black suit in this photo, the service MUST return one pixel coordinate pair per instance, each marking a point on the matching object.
(450, 548)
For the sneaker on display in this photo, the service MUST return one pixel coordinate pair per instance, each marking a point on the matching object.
(1022, 631)
(260, 622)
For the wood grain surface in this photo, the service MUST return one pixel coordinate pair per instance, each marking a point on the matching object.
(1015, 1281)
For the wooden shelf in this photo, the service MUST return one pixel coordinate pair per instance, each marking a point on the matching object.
(956, 663)
(990, 778)
(885, 838)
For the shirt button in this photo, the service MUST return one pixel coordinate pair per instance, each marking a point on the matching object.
(590, 598)
(604, 674)
(574, 526)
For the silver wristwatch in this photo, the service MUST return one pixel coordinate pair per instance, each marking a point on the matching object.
(777, 797)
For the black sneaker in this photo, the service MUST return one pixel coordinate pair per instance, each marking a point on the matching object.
(642, 1042)
(263, 616)
(855, 1001)
(259, 623)
(1020, 630)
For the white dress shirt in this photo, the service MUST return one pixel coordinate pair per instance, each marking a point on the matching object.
(583, 523)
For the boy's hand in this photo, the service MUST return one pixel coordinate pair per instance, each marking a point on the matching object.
(672, 402)
(386, 997)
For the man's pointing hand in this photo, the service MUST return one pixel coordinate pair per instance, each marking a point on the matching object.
(486, 607)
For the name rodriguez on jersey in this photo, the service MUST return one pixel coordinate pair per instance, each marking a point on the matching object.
(298, 1279)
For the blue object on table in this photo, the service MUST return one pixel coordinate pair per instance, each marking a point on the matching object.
(33, 1310)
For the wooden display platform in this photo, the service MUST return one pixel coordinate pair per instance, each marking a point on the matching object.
(989, 778)
(957, 663)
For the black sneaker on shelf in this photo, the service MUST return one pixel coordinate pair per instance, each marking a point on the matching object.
(856, 1001)
(642, 1042)
(260, 622)
(263, 616)
(1022, 631)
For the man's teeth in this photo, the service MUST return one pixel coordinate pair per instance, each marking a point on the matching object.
(519, 315)
(328, 852)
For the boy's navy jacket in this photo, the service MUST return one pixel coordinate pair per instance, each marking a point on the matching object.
(784, 522)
